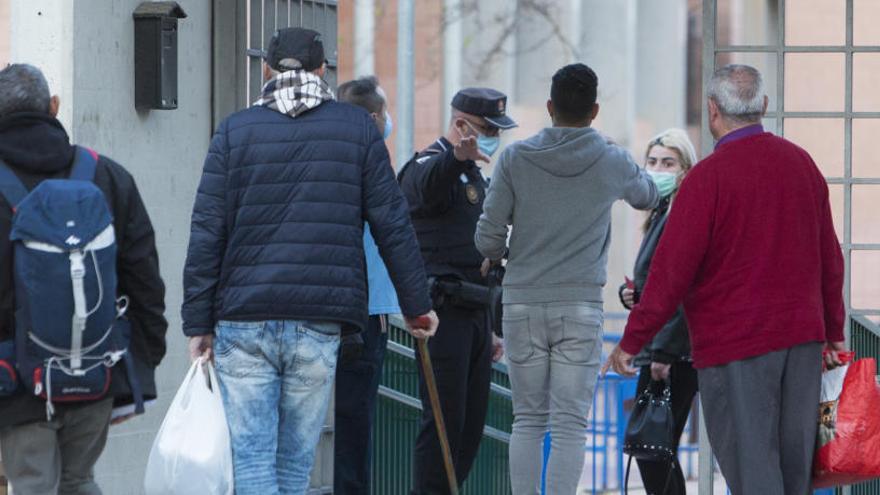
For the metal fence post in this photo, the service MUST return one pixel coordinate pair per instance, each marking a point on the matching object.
(706, 460)
(364, 34)
(405, 80)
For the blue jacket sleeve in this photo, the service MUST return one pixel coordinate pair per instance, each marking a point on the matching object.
(207, 242)
(387, 213)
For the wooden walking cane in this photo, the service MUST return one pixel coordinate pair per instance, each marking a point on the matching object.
(438, 414)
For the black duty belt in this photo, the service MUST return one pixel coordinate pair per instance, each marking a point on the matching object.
(468, 295)
(458, 293)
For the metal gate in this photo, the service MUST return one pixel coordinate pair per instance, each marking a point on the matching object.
(398, 415)
(818, 80)
(264, 17)
(820, 60)
(242, 30)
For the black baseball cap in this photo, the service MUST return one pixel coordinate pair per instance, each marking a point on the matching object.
(303, 45)
(488, 103)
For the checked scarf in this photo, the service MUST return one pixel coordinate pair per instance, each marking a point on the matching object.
(295, 92)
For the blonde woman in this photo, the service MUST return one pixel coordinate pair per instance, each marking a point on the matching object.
(668, 158)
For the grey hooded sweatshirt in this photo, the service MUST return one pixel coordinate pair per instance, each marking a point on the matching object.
(556, 190)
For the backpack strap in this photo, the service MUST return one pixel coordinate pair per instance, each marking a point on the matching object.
(84, 164)
(134, 383)
(11, 186)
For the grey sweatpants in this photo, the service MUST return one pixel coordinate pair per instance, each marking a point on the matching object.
(553, 352)
(761, 415)
(57, 456)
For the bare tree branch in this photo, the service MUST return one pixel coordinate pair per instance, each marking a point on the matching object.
(506, 23)
(523, 12)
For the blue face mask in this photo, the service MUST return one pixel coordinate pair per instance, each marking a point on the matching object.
(389, 126)
(665, 182)
(488, 145)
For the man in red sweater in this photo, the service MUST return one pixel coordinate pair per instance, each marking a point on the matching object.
(751, 252)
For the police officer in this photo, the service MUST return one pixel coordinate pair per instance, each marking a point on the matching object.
(445, 190)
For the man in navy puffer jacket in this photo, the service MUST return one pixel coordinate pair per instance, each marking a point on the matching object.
(275, 269)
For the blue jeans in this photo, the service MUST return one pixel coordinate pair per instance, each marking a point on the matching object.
(276, 378)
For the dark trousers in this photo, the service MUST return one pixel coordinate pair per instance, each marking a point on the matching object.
(761, 417)
(461, 354)
(682, 387)
(357, 384)
(58, 456)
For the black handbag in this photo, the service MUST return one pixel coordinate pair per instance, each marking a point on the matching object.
(650, 431)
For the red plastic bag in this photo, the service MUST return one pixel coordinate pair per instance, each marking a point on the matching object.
(848, 444)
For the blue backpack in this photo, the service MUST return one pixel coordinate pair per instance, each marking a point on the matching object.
(69, 329)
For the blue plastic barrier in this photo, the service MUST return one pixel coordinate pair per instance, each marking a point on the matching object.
(611, 405)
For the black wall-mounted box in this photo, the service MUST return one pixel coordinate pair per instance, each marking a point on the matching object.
(155, 55)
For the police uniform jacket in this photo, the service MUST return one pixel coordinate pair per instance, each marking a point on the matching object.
(445, 198)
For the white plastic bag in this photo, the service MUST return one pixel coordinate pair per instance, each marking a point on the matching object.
(192, 454)
(832, 386)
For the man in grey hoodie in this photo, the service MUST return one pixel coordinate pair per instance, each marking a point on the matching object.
(556, 190)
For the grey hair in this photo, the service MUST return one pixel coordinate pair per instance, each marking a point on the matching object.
(23, 88)
(738, 90)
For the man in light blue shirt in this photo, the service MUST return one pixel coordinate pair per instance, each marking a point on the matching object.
(360, 367)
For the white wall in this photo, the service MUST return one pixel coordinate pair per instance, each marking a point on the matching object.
(86, 49)
(4, 32)
(41, 34)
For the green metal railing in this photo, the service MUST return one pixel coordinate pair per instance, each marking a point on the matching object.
(399, 410)
(865, 341)
(865, 338)
(397, 423)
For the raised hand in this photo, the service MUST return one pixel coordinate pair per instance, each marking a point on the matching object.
(467, 149)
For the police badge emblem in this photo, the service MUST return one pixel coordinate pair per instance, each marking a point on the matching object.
(473, 196)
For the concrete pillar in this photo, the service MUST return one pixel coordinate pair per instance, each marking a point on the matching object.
(608, 45)
(364, 40)
(541, 53)
(661, 50)
(661, 82)
(452, 56)
(405, 80)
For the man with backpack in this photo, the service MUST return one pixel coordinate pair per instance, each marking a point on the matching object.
(81, 299)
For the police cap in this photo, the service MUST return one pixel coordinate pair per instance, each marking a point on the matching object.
(484, 102)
